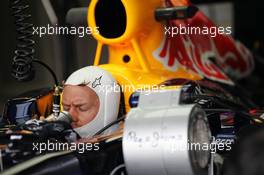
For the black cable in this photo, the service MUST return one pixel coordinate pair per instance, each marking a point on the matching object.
(22, 68)
(109, 125)
(49, 69)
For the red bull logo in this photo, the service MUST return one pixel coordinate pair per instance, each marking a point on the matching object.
(215, 57)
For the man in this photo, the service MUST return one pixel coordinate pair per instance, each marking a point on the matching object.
(91, 96)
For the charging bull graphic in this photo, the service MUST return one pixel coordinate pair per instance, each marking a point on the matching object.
(212, 56)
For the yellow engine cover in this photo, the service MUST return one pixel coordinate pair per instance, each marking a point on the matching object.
(132, 52)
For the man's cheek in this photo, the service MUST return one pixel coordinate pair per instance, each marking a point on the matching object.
(84, 118)
(87, 117)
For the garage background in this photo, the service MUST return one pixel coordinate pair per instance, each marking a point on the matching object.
(65, 54)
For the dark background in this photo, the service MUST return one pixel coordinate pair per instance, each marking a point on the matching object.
(65, 54)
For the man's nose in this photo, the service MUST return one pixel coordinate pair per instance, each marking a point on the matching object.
(73, 114)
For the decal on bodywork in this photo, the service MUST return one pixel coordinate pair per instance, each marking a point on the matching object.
(194, 52)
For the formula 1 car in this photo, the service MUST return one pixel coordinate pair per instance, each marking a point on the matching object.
(186, 125)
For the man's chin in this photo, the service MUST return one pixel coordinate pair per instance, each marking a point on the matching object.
(74, 125)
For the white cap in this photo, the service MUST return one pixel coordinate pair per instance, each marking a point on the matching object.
(106, 88)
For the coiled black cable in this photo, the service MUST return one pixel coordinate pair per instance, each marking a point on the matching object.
(22, 68)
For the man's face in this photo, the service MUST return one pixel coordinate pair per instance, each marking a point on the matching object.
(81, 102)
